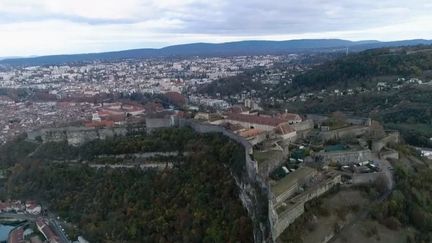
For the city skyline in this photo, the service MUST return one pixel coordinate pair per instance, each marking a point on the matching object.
(66, 27)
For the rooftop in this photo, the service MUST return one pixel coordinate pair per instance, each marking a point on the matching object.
(17, 236)
(250, 132)
(290, 117)
(263, 120)
(284, 129)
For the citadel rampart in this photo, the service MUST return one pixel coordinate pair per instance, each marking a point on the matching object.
(266, 167)
(343, 132)
(303, 128)
(353, 121)
(346, 157)
(277, 219)
(392, 137)
(254, 191)
(282, 214)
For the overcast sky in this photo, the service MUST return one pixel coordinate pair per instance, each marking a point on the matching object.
(40, 27)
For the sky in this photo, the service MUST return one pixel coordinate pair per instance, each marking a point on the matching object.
(43, 27)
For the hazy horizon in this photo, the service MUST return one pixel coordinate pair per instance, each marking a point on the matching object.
(161, 47)
(48, 27)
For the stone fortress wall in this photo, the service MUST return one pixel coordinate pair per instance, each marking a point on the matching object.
(303, 128)
(278, 223)
(265, 168)
(251, 185)
(347, 157)
(294, 207)
(392, 137)
(343, 132)
(353, 121)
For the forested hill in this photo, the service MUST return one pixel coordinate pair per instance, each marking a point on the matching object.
(367, 68)
(194, 201)
(253, 47)
(400, 102)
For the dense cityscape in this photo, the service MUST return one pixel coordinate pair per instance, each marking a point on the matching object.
(59, 94)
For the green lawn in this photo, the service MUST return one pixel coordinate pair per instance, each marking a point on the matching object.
(262, 156)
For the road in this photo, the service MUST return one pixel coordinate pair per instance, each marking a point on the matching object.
(58, 230)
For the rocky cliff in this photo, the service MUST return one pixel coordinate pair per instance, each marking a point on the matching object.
(79, 135)
(253, 191)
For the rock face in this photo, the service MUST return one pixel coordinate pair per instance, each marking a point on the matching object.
(79, 135)
(253, 191)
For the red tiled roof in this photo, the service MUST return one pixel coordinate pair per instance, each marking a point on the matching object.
(135, 109)
(46, 230)
(237, 109)
(6, 98)
(153, 107)
(232, 127)
(3, 205)
(103, 123)
(176, 97)
(181, 114)
(290, 116)
(262, 120)
(103, 113)
(250, 132)
(40, 222)
(284, 129)
(109, 111)
(17, 236)
(31, 206)
(63, 104)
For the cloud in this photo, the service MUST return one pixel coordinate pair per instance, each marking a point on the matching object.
(37, 27)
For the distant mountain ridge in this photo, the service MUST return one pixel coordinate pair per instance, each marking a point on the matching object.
(4, 58)
(219, 49)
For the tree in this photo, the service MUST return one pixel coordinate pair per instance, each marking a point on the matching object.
(196, 201)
